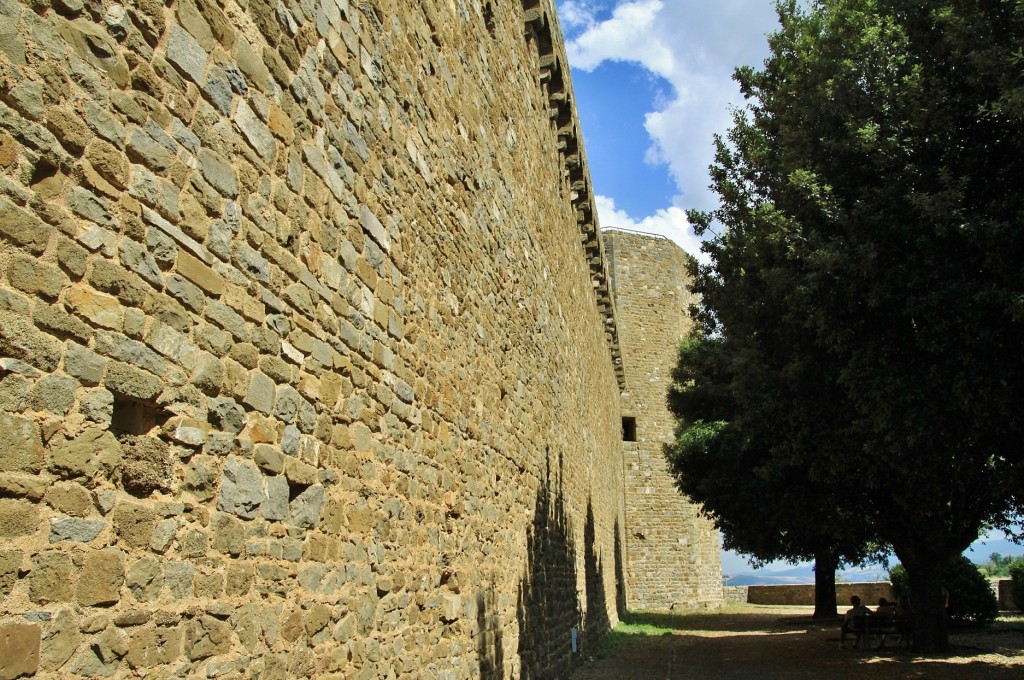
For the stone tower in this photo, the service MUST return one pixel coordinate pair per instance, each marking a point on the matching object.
(672, 557)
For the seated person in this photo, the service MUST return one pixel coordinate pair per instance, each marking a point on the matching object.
(885, 608)
(858, 610)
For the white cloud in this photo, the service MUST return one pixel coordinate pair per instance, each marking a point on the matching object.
(669, 222)
(576, 13)
(694, 46)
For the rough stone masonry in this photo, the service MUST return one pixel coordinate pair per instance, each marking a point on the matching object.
(308, 361)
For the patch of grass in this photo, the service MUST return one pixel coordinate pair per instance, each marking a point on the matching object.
(633, 624)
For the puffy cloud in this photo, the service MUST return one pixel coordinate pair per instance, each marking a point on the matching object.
(669, 222)
(694, 47)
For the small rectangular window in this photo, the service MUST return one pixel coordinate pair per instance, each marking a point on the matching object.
(628, 429)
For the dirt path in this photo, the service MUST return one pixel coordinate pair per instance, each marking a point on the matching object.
(770, 643)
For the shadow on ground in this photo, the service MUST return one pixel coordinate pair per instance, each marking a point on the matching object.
(779, 642)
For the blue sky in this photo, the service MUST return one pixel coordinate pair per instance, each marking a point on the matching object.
(653, 84)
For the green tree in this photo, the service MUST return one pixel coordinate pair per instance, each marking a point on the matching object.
(871, 188)
(968, 596)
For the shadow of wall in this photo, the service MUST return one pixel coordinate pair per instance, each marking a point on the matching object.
(555, 607)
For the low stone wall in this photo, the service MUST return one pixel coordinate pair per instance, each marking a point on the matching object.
(804, 594)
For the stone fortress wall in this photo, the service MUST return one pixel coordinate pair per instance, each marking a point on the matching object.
(672, 552)
(308, 361)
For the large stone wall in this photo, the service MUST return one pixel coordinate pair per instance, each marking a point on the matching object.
(671, 551)
(307, 366)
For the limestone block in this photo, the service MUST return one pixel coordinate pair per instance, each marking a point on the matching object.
(103, 310)
(97, 406)
(152, 646)
(35, 277)
(134, 524)
(178, 578)
(53, 394)
(145, 579)
(21, 447)
(19, 339)
(18, 518)
(60, 641)
(23, 228)
(109, 277)
(19, 649)
(13, 394)
(70, 498)
(163, 535)
(86, 365)
(10, 562)
(75, 529)
(52, 578)
(92, 452)
(99, 584)
(228, 534)
(304, 510)
(241, 490)
(206, 637)
(186, 54)
(275, 504)
(130, 381)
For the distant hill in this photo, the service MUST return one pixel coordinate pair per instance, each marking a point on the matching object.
(804, 575)
(978, 553)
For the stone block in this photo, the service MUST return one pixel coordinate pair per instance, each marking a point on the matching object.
(101, 578)
(199, 273)
(134, 524)
(178, 578)
(23, 228)
(145, 579)
(93, 452)
(219, 173)
(153, 646)
(260, 394)
(304, 509)
(228, 534)
(275, 504)
(69, 498)
(187, 55)
(10, 564)
(18, 518)
(98, 308)
(75, 529)
(19, 339)
(97, 406)
(19, 649)
(36, 278)
(110, 278)
(21, 446)
(60, 641)
(206, 637)
(83, 363)
(52, 578)
(241, 490)
(53, 394)
(130, 381)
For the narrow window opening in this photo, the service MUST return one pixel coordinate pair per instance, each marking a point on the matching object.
(489, 18)
(628, 429)
(133, 417)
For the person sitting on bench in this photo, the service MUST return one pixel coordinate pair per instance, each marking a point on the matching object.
(858, 611)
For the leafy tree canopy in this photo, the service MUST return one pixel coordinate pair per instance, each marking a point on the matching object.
(863, 309)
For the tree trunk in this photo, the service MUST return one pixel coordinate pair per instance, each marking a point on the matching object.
(825, 586)
(928, 603)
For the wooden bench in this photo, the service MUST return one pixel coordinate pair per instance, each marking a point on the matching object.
(866, 626)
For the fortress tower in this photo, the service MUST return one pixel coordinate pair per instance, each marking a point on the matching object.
(672, 557)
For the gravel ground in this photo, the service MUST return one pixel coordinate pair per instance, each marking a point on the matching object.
(751, 642)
